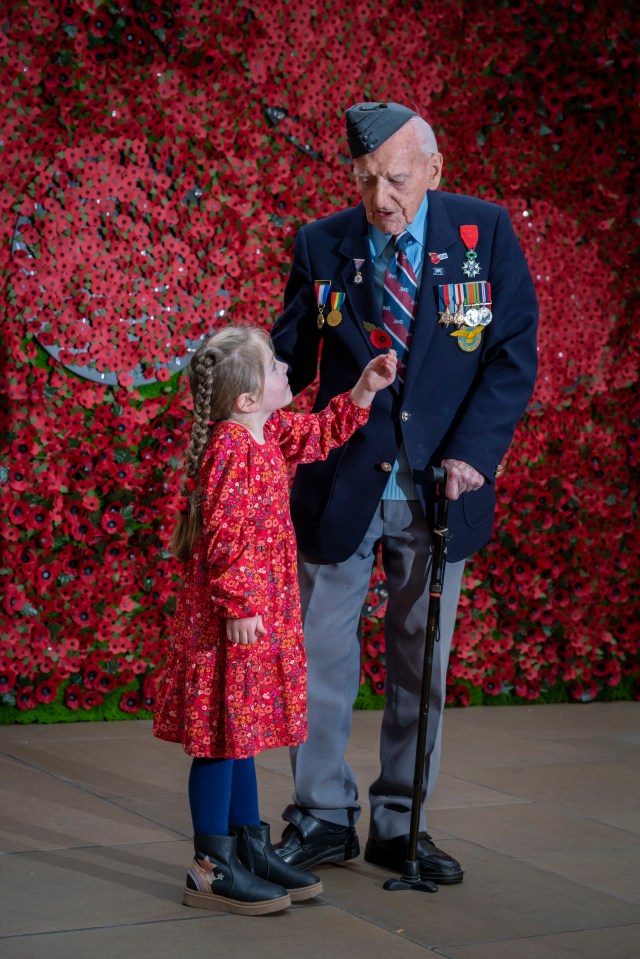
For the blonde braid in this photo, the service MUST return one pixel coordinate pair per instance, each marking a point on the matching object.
(189, 526)
(228, 364)
(204, 375)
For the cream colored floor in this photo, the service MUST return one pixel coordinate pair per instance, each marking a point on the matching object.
(541, 805)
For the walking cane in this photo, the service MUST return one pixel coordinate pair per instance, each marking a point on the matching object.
(410, 878)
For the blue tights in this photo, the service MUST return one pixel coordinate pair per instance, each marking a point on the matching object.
(222, 792)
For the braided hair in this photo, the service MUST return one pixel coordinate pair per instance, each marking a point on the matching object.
(226, 365)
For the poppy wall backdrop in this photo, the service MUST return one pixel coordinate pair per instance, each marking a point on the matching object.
(157, 160)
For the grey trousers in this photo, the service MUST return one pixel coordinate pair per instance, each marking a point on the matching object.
(332, 597)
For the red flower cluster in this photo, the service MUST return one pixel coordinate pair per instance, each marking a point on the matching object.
(157, 161)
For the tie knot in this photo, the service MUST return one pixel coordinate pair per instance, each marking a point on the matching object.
(401, 242)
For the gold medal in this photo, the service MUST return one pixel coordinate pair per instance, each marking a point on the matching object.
(320, 320)
(334, 318)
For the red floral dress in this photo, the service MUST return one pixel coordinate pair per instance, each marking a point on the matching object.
(225, 701)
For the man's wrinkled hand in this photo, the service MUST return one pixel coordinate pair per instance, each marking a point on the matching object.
(461, 478)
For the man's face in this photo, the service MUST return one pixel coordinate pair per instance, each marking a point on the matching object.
(394, 179)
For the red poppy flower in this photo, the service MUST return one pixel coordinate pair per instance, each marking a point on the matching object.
(81, 528)
(374, 647)
(112, 522)
(14, 599)
(84, 614)
(73, 696)
(87, 571)
(130, 702)
(20, 478)
(380, 339)
(8, 678)
(18, 512)
(461, 694)
(99, 24)
(46, 576)
(90, 675)
(91, 698)
(46, 691)
(25, 698)
(492, 686)
(106, 682)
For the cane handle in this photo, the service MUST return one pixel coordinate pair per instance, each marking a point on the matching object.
(437, 474)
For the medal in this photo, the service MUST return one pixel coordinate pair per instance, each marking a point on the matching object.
(469, 236)
(358, 265)
(465, 304)
(322, 288)
(459, 317)
(468, 339)
(447, 299)
(335, 316)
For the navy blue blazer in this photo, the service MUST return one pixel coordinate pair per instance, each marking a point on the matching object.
(458, 404)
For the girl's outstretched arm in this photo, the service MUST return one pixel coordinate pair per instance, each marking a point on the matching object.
(379, 373)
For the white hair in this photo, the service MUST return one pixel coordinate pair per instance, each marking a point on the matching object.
(426, 136)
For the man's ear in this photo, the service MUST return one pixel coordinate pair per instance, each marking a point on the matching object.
(246, 403)
(435, 170)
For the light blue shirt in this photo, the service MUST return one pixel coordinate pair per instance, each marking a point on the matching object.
(400, 484)
(382, 249)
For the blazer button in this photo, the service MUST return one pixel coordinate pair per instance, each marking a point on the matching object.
(404, 416)
(386, 467)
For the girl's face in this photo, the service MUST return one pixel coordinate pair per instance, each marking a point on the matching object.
(276, 392)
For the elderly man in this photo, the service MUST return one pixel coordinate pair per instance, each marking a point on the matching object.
(442, 279)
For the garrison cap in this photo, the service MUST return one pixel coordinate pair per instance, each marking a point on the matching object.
(370, 124)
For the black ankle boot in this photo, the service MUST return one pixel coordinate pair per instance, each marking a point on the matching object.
(218, 880)
(258, 855)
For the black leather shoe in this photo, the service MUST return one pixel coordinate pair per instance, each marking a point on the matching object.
(308, 841)
(434, 863)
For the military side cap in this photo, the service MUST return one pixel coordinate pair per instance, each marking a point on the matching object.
(370, 124)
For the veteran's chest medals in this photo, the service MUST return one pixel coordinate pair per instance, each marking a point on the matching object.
(467, 306)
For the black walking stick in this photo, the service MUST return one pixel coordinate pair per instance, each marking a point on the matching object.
(410, 878)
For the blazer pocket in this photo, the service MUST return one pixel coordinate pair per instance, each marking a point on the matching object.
(479, 505)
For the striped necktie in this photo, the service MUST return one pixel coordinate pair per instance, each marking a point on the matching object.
(399, 301)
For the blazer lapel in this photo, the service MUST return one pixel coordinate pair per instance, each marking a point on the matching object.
(361, 296)
(441, 237)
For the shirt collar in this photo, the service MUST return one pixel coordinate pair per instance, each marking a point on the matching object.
(416, 229)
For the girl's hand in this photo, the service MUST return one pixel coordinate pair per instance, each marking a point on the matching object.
(245, 631)
(377, 374)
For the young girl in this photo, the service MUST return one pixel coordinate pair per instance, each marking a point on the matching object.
(234, 682)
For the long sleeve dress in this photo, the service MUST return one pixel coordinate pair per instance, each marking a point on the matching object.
(225, 701)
